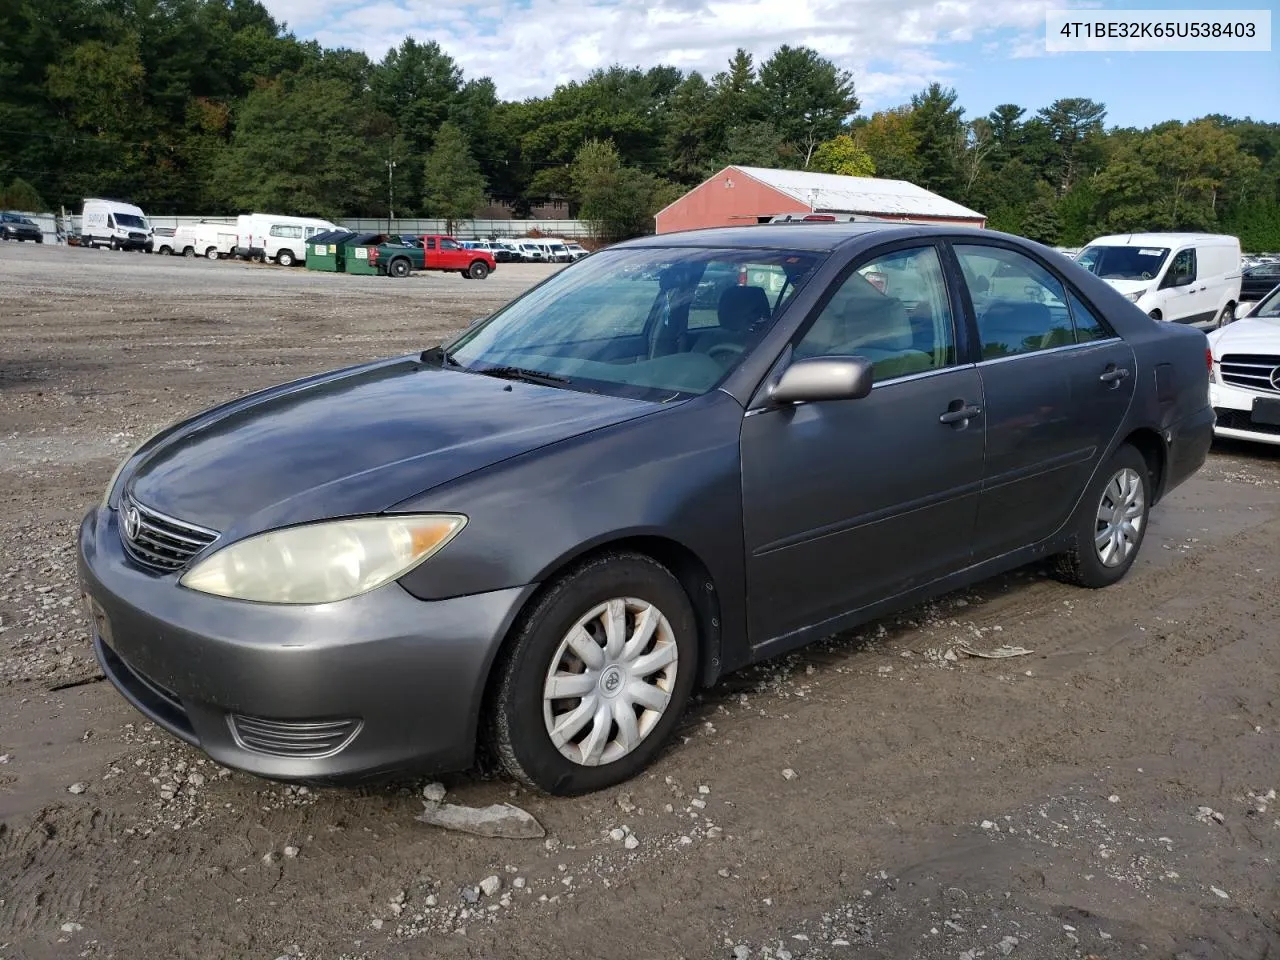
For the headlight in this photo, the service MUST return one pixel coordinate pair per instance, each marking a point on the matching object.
(323, 562)
(1135, 296)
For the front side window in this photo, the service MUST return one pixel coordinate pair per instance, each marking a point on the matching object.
(892, 310)
(1020, 306)
(286, 232)
(637, 321)
(1183, 269)
(448, 245)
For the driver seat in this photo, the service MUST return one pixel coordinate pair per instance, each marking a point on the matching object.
(739, 309)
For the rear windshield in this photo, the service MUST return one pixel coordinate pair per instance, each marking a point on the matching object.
(1123, 263)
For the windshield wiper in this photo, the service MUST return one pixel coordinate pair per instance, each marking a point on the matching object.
(521, 373)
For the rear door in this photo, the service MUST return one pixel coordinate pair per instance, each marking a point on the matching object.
(453, 256)
(849, 502)
(1057, 383)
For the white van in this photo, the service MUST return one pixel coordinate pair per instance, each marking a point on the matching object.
(269, 236)
(530, 250)
(114, 224)
(557, 250)
(1180, 277)
(203, 239)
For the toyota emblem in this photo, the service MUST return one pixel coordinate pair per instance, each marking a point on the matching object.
(611, 682)
(132, 521)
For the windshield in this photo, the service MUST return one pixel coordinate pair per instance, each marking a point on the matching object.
(1123, 263)
(647, 322)
(1269, 308)
(129, 220)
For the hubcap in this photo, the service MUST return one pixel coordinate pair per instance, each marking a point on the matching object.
(610, 681)
(1120, 518)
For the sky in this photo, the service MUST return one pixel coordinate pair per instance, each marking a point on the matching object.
(991, 51)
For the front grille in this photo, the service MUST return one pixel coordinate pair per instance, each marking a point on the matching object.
(293, 738)
(1253, 371)
(137, 236)
(1240, 420)
(158, 541)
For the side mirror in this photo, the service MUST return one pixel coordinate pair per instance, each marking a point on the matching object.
(824, 378)
(1242, 310)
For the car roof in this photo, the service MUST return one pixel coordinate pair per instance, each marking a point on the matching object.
(816, 237)
(1160, 239)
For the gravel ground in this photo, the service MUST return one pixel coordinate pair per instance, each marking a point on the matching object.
(878, 795)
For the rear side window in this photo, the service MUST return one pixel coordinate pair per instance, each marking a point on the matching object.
(1089, 326)
(1019, 305)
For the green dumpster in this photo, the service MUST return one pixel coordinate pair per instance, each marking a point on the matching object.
(324, 251)
(359, 254)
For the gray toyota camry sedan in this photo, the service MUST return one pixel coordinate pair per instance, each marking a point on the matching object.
(678, 456)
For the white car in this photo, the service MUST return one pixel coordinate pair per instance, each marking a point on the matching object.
(1244, 386)
(577, 251)
(1189, 278)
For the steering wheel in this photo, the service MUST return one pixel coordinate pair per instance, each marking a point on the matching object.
(725, 353)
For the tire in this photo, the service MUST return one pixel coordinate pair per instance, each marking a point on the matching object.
(188, 252)
(211, 253)
(466, 274)
(285, 258)
(518, 720)
(1226, 316)
(1084, 564)
(398, 268)
(1154, 315)
(478, 270)
(114, 244)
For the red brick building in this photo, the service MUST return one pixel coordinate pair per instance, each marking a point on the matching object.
(742, 195)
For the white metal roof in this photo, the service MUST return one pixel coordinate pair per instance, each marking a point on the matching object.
(834, 193)
(1162, 239)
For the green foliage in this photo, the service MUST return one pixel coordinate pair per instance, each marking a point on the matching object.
(20, 195)
(843, 156)
(211, 106)
(617, 200)
(454, 184)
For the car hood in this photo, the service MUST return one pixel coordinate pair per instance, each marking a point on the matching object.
(354, 443)
(1132, 286)
(1250, 335)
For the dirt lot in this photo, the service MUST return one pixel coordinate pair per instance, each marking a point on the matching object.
(871, 797)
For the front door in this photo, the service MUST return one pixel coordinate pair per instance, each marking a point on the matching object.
(849, 502)
(1056, 391)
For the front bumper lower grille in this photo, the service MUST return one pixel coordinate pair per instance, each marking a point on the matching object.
(158, 541)
(295, 739)
(1241, 420)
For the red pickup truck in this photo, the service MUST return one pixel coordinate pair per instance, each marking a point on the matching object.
(445, 253)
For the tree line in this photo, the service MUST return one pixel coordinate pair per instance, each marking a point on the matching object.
(211, 106)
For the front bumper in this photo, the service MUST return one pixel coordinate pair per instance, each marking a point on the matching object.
(1234, 408)
(409, 674)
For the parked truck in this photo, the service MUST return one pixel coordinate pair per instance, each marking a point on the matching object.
(444, 253)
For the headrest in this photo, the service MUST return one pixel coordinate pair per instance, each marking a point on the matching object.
(741, 307)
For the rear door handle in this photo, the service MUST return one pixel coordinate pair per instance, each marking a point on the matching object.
(960, 415)
(1114, 375)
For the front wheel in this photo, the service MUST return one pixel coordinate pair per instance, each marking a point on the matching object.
(478, 270)
(595, 676)
(1227, 315)
(1110, 523)
(211, 253)
(466, 275)
(188, 252)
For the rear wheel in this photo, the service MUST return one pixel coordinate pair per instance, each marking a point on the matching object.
(211, 253)
(1154, 315)
(398, 268)
(595, 676)
(286, 258)
(1110, 523)
(478, 270)
(188, 251)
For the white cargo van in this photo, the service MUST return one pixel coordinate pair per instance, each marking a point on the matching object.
(204, 239)
(268, 236)
(114, 224)
(1180, 277)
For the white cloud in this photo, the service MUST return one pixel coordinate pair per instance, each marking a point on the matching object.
(529, 46)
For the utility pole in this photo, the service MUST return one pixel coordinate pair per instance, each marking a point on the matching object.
(391, 194)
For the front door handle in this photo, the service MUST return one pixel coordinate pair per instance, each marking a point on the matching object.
(961, 414)
(1114, 375)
